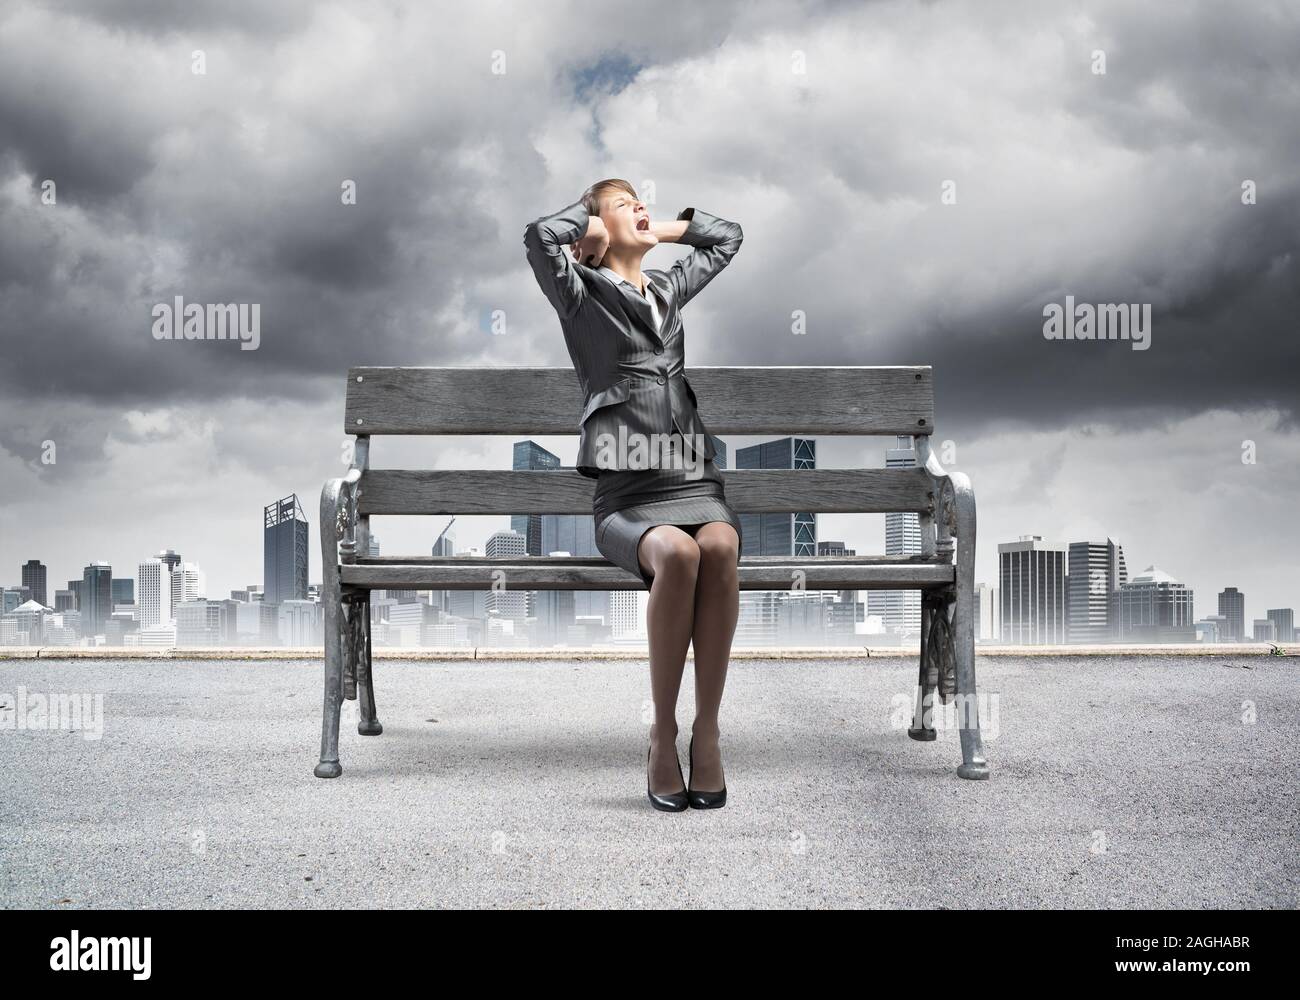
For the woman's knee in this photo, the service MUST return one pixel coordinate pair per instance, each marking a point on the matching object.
(718, 543)
(673, 552)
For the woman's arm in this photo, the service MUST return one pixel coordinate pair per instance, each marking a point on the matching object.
(546, 244)
(715, 241)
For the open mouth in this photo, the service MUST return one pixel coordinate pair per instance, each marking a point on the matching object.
(643, 225)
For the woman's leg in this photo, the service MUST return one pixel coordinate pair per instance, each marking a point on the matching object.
(717, 606)
(672, 556)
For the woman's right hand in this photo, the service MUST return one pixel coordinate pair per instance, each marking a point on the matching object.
(590, 250)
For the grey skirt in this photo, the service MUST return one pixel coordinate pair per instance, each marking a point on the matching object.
(689, 505)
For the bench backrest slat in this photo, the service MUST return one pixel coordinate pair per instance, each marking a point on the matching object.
(564, 491)
(750, 400)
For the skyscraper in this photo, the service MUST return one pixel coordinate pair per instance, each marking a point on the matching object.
(1283, 620)
(34, 579)
(1097, 571)
(1232, 605)
(96, 598)
(777, 534)
(1032, 581)
(899, 610)
(155, 593)
(1154, 607)
(188, 584)
(123, 591)
(284, 551)
(531, 456)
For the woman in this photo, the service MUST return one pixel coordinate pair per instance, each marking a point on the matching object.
(666, 520)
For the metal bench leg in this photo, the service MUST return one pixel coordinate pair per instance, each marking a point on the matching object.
(369, 724)
(973, 764)
(923, 709)
(332, 604)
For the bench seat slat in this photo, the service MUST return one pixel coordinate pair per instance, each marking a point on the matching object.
(777, 399)
(749, 491)
(558, 573)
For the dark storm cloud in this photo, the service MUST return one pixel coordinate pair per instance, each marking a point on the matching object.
(227, 190)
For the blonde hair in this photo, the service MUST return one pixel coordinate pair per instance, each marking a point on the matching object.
(591, 198)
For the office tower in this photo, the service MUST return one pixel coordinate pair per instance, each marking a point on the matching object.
(1283, 620)
(65, 600)
(123, 591)
(988, 614)
(847, 610)
(201, 622)
(74, 588)
(155, 590)
(1096, 572)
(530, 456)
(170, 559)
(443, 545)
(1232, 605)
(188, 584)
(96, 598)
(1154, 607)
(1264, 630)
(284, 551)
(12, 597)
(900, 610)
(300, 623)
(574, 534)
(34, 580)
(502, 602)
(777, 534)
(1032, 581)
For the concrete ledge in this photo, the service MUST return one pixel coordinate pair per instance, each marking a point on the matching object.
(1233, 650)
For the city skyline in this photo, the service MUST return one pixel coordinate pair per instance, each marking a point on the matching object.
(1101, 559)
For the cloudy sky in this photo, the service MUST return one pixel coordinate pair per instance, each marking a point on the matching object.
(829, 130)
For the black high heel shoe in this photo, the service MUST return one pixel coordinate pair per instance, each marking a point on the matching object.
(674, 802)
(704, 800)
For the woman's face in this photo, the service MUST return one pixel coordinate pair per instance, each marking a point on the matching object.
(628, 221)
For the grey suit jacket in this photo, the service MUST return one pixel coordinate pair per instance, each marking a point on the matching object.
(632, 376)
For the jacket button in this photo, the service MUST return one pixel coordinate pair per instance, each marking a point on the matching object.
(661, 380)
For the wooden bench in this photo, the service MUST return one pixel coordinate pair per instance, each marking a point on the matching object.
(752, 400)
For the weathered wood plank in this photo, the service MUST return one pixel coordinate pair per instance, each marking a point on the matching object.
(551, 574)
(802, 399)
(565, 491)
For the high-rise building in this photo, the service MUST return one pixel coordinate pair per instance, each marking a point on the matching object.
(1265, 630)
(530, 456)
(155, 590)
(1032, 581)
(96, 598)
(502, 602)
(1154, 607)
(170, 558)
(1096, 572)
(1232, 605)
(900, 610)
(34, 580)
(188, 584)
(284, 551)
(775, 533)
(988, 614)
(1283, 620)
(123, 591)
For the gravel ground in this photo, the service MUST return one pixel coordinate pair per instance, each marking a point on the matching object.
(1116, 781)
